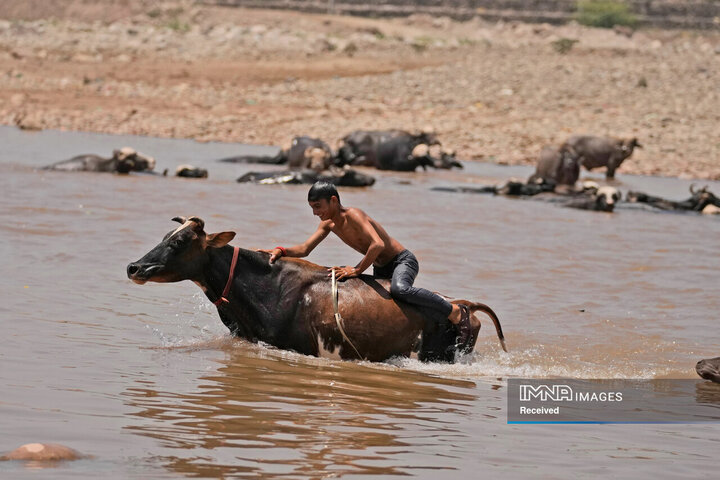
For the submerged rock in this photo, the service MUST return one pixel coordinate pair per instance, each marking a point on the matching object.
(42, 452)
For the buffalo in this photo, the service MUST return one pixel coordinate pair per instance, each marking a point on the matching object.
(702, 200)
(589, 197)
(288, 304)
(303, 152)
(188, 171)
(560, 166)
(601, 199)
(393, 150)
(342, 177)
(123, 160)
(595, 152)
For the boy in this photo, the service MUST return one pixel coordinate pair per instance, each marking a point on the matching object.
(389, 258)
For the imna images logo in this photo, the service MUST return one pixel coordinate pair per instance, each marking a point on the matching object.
(544, 393)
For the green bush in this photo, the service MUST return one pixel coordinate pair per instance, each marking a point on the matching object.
(604, 13)
(563, 45)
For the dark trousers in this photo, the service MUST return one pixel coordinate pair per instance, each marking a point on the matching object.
(402, 270)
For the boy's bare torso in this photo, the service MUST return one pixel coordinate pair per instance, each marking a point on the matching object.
(350, 230)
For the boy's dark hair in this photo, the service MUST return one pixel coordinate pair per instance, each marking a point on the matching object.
(322, 190)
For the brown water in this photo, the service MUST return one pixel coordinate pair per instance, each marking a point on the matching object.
(147, 381)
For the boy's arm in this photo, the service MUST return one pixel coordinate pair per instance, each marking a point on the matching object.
(304, 249)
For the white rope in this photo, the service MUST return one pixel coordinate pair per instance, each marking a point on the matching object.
(338, 318)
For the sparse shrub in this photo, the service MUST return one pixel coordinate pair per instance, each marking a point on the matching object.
(422, 43)
(178, 26)
(563, 45)
(604, 13)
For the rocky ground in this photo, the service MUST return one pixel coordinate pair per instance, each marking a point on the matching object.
(493, 91)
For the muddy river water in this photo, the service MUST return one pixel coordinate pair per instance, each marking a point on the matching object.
(147, 381)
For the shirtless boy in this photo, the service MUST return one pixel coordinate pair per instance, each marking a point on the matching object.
(387, 256)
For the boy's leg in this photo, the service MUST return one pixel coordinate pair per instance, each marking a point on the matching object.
(401, 288)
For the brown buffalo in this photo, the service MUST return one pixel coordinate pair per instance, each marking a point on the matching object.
(556, 165)
(596, 152)
(288, 304)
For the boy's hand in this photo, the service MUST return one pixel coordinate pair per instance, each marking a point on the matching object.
(343, 272)
(275, 253)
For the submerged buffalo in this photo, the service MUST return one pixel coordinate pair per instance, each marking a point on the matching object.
(596, 152)
(123, 160)
(303, 152)
(588, 197)
(189, 171)
(600, 199)
(342, 177)
(709, 369)
(702, 200)
(392, 150)
(288, 304)
(511, 188)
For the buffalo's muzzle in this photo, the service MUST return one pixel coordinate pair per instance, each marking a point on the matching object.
(140, 273)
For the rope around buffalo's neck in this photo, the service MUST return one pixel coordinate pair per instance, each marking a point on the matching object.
(338, 318)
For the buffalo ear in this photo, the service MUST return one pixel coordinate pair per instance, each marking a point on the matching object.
(217, 240)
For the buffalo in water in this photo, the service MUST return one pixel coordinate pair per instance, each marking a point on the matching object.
(596, 152)
(189, 171)
(342, 177)
(599, 199)
(702, 200)
(590, 197)
(303, 152)
(288, 304)
(556, 165)
(123, 160)
(393, 150)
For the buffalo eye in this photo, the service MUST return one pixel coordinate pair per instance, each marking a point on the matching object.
(176, 244)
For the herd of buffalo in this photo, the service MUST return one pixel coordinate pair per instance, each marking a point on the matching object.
(306, 160)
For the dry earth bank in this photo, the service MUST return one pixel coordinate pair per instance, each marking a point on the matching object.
(496, 92)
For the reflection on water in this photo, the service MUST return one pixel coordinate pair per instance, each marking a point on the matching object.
(707, 393)
(258, 414)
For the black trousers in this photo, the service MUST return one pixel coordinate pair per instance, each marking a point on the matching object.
(402, 270)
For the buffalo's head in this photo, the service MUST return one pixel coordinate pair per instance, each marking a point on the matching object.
(447, 160)
(348, 177)
(605, 198)
(317, 159)
(180, 255)
(130, 160)
(703, 198)
(627, 146)
(427, 136)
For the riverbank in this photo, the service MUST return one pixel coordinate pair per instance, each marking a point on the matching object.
(493, 91)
